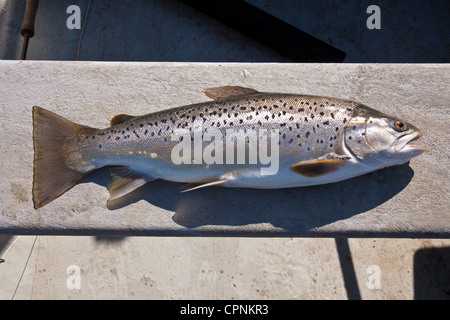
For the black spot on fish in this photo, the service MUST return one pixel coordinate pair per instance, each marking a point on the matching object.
(117, 138)
(321, 113)
(345, 120)
(236, 114)
(301, 109)
(99, 146)
(312, 116)
(306, 119)
(326, 122)
(240, 121)
(273, 116)
(332, 115)
(307, 134)
(266, 117)
(146, 131)
(290, 141)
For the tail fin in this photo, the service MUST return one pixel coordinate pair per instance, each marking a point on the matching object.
(51, 175)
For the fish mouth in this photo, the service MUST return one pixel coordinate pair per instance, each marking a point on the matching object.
(403, 143)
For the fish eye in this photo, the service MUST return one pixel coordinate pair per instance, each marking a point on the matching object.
(400, 125)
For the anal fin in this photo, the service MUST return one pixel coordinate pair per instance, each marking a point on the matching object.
(126, 180)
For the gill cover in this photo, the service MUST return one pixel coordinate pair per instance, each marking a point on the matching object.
(373, 135)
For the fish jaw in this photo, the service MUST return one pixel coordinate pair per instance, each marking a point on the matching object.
(404, 144)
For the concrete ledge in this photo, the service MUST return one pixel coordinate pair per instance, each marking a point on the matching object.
(406, 201)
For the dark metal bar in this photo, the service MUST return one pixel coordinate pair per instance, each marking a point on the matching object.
(269, 30)
(27, 30)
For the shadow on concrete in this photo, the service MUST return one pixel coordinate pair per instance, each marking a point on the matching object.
(296, 211)
(431, 274)
(4, 241)
(348, 269)
(168, 30)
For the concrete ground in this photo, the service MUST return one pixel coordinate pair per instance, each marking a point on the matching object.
(73, 267)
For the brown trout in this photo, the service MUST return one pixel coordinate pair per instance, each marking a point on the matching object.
(243, 139)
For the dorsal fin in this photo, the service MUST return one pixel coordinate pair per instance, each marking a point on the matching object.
(225, 92)
(120, 118)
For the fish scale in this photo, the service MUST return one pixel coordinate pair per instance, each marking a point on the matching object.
(308, 126)
(318, 140)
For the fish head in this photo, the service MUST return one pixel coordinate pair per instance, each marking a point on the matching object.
(375, 137)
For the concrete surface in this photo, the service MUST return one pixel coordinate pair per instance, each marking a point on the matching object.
(167, 30)
(403, 201)
(225, 268)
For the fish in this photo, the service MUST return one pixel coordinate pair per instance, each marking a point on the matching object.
(242, 138)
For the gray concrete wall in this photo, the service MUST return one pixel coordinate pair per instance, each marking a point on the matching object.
(409, 200)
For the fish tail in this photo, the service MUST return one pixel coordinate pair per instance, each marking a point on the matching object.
(51, 176)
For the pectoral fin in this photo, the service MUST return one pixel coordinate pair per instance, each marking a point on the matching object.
(126, 180)
(225, 92)
(318, 167)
